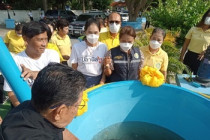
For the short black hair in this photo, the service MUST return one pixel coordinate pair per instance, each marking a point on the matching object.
(163, 32)
(57, 84)
(18, 26)
(61, 23)
(47, 21)
(34, 28)
(92, 21)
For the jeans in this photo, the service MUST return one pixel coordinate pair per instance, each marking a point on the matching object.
(92, 80)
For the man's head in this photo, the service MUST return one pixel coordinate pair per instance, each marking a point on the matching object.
(114, 22)
(57, 92)
(35, 35)
(63, 27)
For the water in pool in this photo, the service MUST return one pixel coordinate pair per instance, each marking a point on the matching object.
(136, 131)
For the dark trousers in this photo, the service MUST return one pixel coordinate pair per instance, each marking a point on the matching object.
(191, 60)
(1, 89)
(31, 18)
(147, 24)
(92, 80)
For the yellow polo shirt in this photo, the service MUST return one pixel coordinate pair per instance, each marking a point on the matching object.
(158, 60)
(15, 43)
(54, 47)
(64, 44)
(110, 41)
(199, 39)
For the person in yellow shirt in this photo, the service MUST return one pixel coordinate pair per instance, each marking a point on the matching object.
(196, 42)
(14, 41)
(54, 47)
(62, 40)
(111, 38)
(154, 56)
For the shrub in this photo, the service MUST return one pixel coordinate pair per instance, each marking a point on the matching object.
(178, 15)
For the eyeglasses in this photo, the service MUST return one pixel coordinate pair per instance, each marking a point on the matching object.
(112, 21)
(80, 106)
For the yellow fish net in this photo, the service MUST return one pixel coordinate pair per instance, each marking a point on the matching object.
(151, 77)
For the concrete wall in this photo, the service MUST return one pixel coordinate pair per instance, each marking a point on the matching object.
(20, 15)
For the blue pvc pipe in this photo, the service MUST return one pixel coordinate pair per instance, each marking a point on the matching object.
(11, 72)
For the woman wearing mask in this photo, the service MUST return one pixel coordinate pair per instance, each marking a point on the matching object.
(124, 61)
(196, 42)
(14, 40)
(87, 56)
(154, 56)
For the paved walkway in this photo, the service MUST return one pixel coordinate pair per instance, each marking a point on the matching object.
(3, 30)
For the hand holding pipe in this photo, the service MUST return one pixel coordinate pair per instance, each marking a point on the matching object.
(11, 72)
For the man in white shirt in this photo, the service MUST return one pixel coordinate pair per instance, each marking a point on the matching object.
(35, 57)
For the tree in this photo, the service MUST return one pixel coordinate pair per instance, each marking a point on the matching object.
(134, 7)
(101, 4)
(178, 15)
(80, 4)
(44, 5)
(83, 6)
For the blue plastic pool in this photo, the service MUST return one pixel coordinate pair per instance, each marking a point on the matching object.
(181, 111)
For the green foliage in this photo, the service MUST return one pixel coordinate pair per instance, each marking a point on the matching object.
(25, 4)
(174, 65)
(76, 4)
(96, 4)
(178, 15)
(142, 39)
(101, 4)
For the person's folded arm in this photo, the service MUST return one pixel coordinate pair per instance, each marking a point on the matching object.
(184, 49)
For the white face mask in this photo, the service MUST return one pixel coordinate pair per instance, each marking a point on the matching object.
(154, 44)
(92, 38)
(207, 21)
(126, 46)
(114, 28)
(19, 35)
